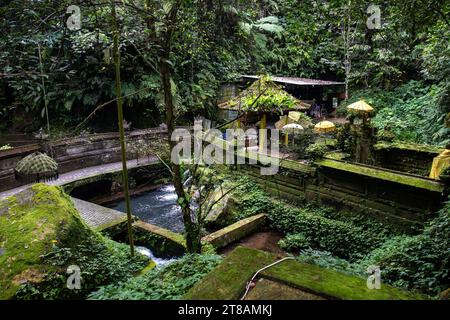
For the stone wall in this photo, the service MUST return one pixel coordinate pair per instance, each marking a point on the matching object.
(396, 197)
(404, 200)
(411, 158)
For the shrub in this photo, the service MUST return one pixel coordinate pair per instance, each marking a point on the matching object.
(316, 150)
(168, 283)
(294, 242)
(250, 199)
(419, 262)
(326, 260)
(341, 238)
(101, 261)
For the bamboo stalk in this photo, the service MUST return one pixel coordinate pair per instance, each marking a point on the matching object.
(262, 133)
(121, 128)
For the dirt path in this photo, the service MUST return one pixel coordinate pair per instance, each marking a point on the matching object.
(265, 241)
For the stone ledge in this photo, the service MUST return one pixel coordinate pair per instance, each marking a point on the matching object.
(236, 231)
(383, 174)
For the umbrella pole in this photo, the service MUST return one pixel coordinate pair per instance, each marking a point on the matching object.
(121, 128)
(262, 133)
(286, 136)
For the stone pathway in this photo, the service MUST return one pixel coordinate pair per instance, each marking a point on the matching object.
(98, 217)
(76, 175)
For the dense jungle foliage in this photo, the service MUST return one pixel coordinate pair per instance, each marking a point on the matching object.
(402, 68)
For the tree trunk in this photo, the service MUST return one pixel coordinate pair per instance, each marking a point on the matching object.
(192, 229)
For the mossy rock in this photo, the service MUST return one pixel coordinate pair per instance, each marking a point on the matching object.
(38, 222)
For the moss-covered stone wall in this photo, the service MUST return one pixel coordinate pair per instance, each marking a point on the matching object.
(395, 198)
(406, 157)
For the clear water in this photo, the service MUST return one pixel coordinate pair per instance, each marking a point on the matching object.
(158, 207)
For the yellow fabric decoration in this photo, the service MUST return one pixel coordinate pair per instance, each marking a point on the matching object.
(440, 163)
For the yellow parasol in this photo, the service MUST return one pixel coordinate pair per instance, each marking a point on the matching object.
(360, 107)
(324, 127)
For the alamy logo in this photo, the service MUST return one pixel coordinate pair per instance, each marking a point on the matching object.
(74, 21)
(374, 279)
(74, 280)
(374, 20)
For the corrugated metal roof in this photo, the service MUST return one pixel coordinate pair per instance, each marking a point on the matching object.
(298, 81)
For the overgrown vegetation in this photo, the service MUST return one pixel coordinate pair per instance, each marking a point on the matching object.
(349, 242)
(167, 283)
(420, 262)
(101, 261)
(413, 112)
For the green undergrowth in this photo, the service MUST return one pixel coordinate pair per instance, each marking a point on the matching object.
(170, 282)
(419, 262)
(345, 234)
(42, 235)
(413, 112)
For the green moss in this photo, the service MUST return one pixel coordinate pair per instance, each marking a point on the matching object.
(41, 233)
(332, 284)
(383, 175)
(114, 228)
(34, 221)
(163, 242)
(335, 155)
(228, 280)
(408, 146)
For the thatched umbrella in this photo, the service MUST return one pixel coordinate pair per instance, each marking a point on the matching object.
(36, 167)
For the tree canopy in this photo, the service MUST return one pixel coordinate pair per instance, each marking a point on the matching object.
(214, 42)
